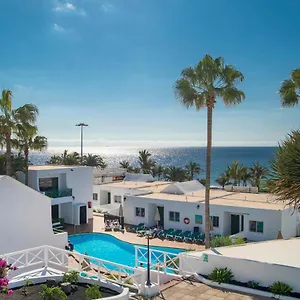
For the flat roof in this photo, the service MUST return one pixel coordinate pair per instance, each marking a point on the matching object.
(283, 252)
(217, 196)
(221, 197)
(143, 186)
(52, 167)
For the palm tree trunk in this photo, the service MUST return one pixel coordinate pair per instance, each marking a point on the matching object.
(208, 168)
(8, 155)
(26, 152)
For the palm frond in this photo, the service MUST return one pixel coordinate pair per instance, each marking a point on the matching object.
(288, 93)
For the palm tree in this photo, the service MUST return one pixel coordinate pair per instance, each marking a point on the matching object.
(223, 179)
(124, 164)
(285, 172)
(193, 168)
(94, 161)
(55, 160)
(65, 159)
(7, 125)
(26, 130)
(26, 141)
(290, 89)
(257, 174)
(145, 161)
(235, 172)
(244, 175)
(200, 87)
(173, 173)
(160, 172)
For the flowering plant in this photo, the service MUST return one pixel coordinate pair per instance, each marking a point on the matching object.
(4, 268)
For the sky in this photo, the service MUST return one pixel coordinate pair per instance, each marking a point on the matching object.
(113, 63)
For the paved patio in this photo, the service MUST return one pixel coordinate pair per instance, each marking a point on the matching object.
(97, 225)
(186, 290)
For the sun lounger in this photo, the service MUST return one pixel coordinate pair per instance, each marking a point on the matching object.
(200, 238)
(174, 234)
(135, 228)
(163, 234)
(191, 237)
(181, 236)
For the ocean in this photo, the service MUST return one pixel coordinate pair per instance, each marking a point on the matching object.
(221, 156)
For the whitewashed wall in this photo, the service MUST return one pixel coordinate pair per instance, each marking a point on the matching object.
(80, 180)
(271, 218)
(244, 270)
(289, 221)
(25, 218)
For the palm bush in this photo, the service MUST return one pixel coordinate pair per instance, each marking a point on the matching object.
(222, 275)
(280, 288)
(52, 293)
(93, 292)
(71, 277)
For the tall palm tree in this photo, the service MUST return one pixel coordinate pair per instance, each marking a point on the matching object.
(290, 90)
(145, 161)
(200, 86)
(235, 171)
(26, 133)
(7, 125)
(173, 173)
(193, 168)
(160, 172)
(94, 161)
(244, 175)
(27, 141)
(258, 173)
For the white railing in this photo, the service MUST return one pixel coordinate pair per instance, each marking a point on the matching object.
(64, 261)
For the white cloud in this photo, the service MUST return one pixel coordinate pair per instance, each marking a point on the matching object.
(22, 87)
(107, 8)
(69, 7)
(58, 28)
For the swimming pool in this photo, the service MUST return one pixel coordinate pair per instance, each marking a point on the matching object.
(107, 247)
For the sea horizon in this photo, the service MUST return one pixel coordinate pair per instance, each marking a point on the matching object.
(177, 156)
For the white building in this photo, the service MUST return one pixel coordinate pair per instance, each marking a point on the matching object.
(181, 206)
(25, 218)
(70, 189)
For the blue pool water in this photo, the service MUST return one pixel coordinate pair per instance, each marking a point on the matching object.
(109, 248)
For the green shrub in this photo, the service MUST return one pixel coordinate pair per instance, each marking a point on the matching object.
(280, 288)
(52, 293)
(253, 284)
(93, 292)
(71, 277)
(222, 275)
(222, 241)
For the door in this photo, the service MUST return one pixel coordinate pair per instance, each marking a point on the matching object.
(55, 212)
(108, 198)
(82, 214)
(235, 224)
(161, 214)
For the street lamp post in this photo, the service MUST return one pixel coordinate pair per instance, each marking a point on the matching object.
(148, 283)
(81, 125)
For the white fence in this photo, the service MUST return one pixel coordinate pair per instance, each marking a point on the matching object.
(63, 261)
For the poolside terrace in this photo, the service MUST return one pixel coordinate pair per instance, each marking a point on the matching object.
(97, 226)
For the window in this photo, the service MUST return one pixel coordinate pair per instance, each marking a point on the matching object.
(95, 196)
(174, 216)
(48, 184)
(118, 199)
(140, 212)
(198, 219)
(215, 221)
(256, 226)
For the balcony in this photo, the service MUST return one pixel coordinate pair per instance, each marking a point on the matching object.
(59, 194)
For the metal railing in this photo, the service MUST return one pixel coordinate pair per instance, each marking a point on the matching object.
(59, 194)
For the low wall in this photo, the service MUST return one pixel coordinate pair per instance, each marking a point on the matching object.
(124, 292)
(243, 270)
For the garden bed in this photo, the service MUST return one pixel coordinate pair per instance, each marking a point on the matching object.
(245, 286)
(33, 293)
